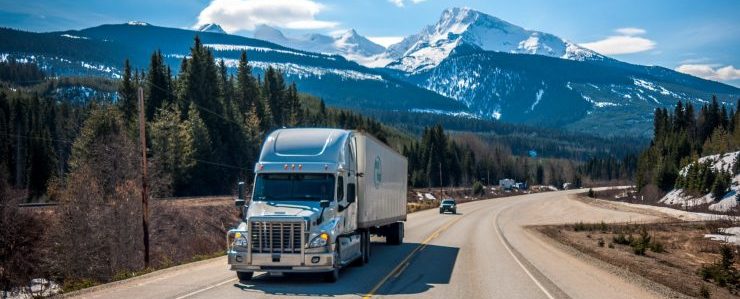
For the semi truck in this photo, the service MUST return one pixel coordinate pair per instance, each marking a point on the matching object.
(318, 196)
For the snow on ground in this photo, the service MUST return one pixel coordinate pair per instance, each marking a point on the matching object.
(73, 36)
(727, 235)
(680, 214)
(538, 97)
(723, 162)
(225, 47)
(445, 112)
(429, 196)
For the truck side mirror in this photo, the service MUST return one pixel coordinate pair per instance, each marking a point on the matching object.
(240, 201)
(350, 193)
(324, 203)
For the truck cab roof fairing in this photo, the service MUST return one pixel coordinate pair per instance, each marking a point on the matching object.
(305, 145)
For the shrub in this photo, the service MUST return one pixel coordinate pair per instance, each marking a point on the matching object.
(478, 188)
(657, 247)
(621, 239)
(601, 242)
(611, 245)
(723, 271)
(704, 292)
(641, 244)
(591, 193)
(21, 245)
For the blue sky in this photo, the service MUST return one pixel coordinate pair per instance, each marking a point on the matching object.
(697, 37)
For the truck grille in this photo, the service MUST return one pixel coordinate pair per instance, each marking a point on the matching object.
(276, 237)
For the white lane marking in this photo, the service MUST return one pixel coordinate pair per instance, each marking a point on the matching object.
(501, 238)
(206, 289)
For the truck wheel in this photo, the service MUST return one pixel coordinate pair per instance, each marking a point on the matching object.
(366, 247)
(333, 275)
(359, 261)
(244, 276)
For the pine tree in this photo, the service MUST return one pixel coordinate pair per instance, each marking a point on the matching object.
(204, 178)
(157, 85)
(172, 143)
(127, 102)
(247, 88)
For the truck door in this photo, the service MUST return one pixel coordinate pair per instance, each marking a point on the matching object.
(351, 178)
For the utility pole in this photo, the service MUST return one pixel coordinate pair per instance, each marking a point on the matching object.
(144, 186)
(488, 176)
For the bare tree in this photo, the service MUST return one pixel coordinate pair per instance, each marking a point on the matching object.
(21, 254)
(99, 230)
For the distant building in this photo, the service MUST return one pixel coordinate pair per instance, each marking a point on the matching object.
(507, 184)
(521, 186)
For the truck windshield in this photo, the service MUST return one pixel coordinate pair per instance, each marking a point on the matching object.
(293, 186)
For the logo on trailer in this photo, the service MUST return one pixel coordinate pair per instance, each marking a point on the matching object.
(378, 177)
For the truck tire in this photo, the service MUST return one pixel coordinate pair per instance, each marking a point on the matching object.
(394, 233)
(362, 259)
(366, 247)
(244, 276)
(333, 275)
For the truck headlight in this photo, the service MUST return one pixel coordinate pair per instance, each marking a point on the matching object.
(319, 241)
(240, 240)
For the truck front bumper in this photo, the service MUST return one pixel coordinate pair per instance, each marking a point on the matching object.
(309, 262)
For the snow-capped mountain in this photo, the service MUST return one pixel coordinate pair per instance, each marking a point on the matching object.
(464, 26)
(349, 43)
(101, 51)
(212, 27)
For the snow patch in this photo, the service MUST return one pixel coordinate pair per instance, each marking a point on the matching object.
(137, 23)
(538, 97)
(225, 47)
(719, 162)
(74, 36)
(445, 112)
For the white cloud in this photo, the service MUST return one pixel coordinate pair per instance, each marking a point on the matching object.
(625, 42)
(402, 3)
(235, 15)
(385, 41)
(710, 71)
(630, 31)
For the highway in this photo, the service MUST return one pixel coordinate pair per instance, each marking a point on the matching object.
(485, 251)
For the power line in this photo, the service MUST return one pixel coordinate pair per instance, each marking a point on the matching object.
(192, 102)
(36, 138)
(71, 142)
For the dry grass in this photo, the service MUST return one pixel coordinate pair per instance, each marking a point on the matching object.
(686, 251)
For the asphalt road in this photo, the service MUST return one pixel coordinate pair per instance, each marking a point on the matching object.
(484, 251)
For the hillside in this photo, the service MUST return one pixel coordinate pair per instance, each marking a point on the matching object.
(502, 71)
(101, 50)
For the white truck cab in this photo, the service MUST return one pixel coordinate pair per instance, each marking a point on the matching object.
(318, 194)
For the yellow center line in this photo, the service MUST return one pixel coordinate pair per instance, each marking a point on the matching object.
(404, 263)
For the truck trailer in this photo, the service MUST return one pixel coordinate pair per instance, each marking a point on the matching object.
(318, 195)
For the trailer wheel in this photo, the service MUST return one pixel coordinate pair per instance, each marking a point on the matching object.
(394, 233)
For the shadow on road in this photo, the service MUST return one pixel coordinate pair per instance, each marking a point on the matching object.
(431, 265)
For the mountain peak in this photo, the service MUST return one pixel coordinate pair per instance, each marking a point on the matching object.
(477, 30)
(347, 43)
(137, 23)
(211, 27)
